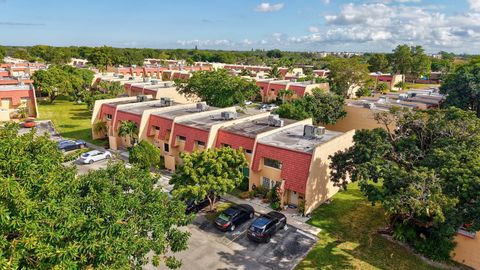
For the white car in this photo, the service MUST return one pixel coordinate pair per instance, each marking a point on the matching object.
(95, 155)
(248, 102)
(271, 107)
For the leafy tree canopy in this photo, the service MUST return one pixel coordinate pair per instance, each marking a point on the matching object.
(346, 74)
(107, 219)
(463, 88)
(209, 174)
(324, 108)
(218, 88)
(426, 174)
(145, 155)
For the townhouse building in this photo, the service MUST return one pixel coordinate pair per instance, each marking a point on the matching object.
(270, 89)
(361, 112)
(391, 80)
(15, 96)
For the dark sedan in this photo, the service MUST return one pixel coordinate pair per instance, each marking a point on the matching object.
(265, 226)
(69, 145)
(234, 217)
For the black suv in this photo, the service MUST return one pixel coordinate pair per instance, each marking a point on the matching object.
(234, 216)
(265, 226)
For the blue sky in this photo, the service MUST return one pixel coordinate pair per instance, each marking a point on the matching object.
(303, 25)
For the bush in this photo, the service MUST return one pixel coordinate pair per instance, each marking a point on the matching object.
(261, 192)
(74, 155)
(145, 155)
(275, 205)
(244, 184)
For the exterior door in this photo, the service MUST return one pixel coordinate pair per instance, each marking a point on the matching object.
(293, 197)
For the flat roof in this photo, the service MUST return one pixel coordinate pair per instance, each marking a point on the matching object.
(293, 139)
(140, 107)
(171, 114)
(254, 127)
(12, 87)
(208, 120)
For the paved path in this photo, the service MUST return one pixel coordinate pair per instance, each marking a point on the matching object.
(292, 219)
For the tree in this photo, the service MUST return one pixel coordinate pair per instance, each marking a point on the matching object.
(421, 63)
(128, 129)
(378, 62)
(100, 127)
(145, 155)
(324, 108)
(101, 58)
(3, 53)
(107, 219)
(463, 88)
(209, 174)
(401, 85)
(346, 74)
(284, 93)
(364, 92)
(424, 173)
(245, 72)
(274, 73)
(274, 53)
(401, 60)
(218, 88)
(382, 88)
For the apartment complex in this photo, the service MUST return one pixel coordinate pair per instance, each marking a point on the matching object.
(361, 112)
(391, 80)
(272, 89)
(292, 155)
(17, 97)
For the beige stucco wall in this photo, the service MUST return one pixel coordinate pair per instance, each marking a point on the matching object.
(319, 187)
(467, 250)
(357, 118)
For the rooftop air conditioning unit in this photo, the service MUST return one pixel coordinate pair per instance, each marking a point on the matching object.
(154, 82)
(383, 99)
(202, 107)
(403, 96)
(146, 79)
(311, 131)
(166, 102)
(131, 78)
(115, 75)
(227, 115)
(121, 76)
(272, 119)
(141, 98)
(278, 123)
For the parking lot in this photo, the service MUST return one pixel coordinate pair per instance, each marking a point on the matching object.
(211, 249)
(84, 168)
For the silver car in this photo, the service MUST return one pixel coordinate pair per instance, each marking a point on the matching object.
(95, 155)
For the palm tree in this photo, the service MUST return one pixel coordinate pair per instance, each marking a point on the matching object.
(100, 127)
(284, 93)
(274, 73)
(128, 129)
(22, 112)
(245, 72)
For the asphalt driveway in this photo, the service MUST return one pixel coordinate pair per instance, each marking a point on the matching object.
(212, 249)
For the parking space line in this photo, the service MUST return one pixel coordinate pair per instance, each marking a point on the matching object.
(311, 236)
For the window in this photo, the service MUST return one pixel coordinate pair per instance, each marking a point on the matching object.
(226, 145)
(248, 151)
(156, 128)
(200, 143)
(108, 116)
(166, 147)
(181, 138)
(266, 182)
(272, 163)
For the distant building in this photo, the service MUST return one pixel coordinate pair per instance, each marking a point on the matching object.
(270, 88)
(14, 96)
(391, 80)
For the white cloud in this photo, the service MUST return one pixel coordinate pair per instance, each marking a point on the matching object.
(474, 5)
(326, 2)
(313, 29)
(267, 7)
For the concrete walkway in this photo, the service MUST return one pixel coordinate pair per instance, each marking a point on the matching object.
(292, 219)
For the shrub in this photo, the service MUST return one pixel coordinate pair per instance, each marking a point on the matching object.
(145, 155)
(244, 184)
(74, 155)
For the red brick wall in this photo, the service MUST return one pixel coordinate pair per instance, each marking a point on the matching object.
(299, 90)
(16, 95)
(150, 92)
(136, 90)
(191, 134)
(295, 165)
(263, 85)
(234, 140)
(124, 116)
(163, 123)
(107, 109)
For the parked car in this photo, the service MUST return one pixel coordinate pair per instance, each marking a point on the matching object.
(29, 123)
(234, 216)
(265, 226)
(69, 145)
(248, 102)
(271, 107)
(95, 155)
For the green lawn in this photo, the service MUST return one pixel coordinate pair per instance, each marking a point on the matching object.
(349, 239)
(420, 86)
(71, 120)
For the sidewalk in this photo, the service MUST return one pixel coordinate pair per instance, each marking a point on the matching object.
(292, 219)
